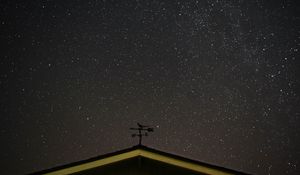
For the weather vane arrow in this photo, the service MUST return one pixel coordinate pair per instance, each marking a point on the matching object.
(142, 131)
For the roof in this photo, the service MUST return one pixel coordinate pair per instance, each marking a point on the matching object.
(139, 151)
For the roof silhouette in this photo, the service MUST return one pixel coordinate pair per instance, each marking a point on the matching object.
(140, 151)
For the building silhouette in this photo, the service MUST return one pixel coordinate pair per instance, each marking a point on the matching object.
(139, 160)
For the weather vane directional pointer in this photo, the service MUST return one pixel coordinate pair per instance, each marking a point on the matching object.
(143, 131)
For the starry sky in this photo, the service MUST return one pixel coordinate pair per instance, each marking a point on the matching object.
(218, 81)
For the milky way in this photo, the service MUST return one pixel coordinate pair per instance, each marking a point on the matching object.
(218, 81)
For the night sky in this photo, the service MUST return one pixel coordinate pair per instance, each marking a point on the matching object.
(218, 81)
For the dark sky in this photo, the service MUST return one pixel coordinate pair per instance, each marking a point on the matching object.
(218, 81)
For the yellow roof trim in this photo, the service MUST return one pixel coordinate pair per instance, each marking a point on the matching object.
(96, 163)
(134, 153)
(183, 164)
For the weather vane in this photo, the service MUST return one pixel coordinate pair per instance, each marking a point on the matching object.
(141, 129)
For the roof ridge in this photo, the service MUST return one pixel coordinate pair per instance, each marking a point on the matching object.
(151, 152)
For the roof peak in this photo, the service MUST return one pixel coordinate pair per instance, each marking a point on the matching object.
(143, 151)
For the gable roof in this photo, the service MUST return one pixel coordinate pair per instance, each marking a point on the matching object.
(136, 151)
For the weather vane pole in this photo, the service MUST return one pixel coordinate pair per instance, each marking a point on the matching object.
(141, 129)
